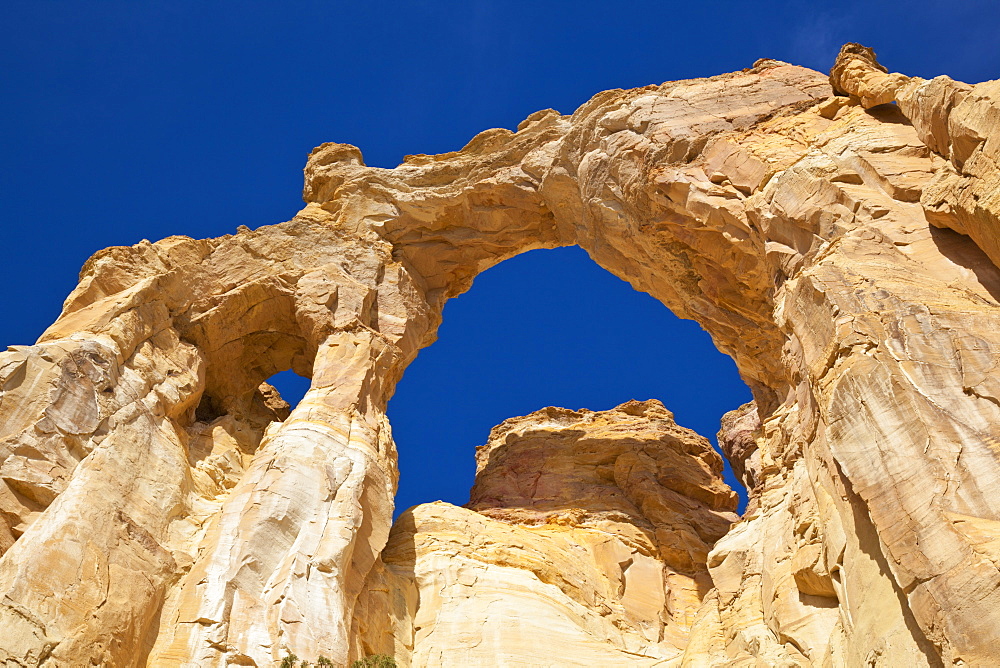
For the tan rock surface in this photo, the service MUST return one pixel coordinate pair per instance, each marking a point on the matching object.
(587, 547)
(843, 251)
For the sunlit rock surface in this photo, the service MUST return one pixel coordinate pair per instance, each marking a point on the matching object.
(588, 533)
(837, 236)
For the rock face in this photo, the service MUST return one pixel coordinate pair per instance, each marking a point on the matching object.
(155, 509)
(587, 533)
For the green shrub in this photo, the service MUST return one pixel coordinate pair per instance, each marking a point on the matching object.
(375, 661)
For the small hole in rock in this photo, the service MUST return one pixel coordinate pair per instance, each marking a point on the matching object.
(291, 386)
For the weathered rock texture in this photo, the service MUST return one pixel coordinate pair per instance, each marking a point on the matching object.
(589, 538)
(842, 249)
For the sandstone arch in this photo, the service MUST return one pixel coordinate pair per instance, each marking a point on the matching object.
(818, 239)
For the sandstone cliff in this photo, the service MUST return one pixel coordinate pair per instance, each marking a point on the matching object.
(836, 236)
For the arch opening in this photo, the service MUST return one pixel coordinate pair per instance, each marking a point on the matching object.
(290, 385)
(548, 328)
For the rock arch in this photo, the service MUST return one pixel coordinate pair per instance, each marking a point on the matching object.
(816, 237)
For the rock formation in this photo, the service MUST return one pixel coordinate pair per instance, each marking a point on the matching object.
(587, 534)
(836, 236)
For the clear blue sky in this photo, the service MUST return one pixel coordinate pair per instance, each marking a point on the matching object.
(128, 120)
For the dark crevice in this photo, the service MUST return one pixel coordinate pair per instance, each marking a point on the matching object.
(208, 409)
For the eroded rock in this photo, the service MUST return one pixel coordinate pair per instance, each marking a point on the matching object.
(842, 249)
(590, 536)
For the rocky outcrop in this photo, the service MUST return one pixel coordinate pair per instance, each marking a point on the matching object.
(588, 533)
(841, 248)
(738, 442)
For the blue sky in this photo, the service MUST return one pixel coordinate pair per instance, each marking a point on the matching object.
(124, 120)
